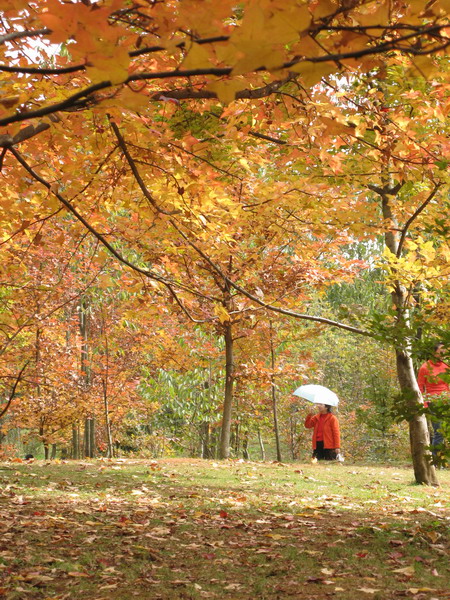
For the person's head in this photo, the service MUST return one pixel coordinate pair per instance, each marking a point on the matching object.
(324, 408)
(438, 350)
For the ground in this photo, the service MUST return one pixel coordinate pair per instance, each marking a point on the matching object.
(187, 529)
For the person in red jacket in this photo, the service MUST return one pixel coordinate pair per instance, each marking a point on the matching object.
(432, 385)
(326, 438)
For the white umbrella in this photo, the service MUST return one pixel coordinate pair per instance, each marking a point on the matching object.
(317, 394)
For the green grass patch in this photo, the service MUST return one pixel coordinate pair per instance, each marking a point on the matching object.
(178, 528)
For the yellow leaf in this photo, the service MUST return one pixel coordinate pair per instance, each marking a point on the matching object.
(109, 68)
(312, 73)
(424, 66)
(197, 58)
(409, 571)
(222, 313)
(132, 100)
(374, 13)
(368, 590)
(226, 90)
(325, 8)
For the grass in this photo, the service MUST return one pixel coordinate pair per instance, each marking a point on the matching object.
(187, 529)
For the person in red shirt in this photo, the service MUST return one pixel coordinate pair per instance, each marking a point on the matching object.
(432, 385)
(326, 438)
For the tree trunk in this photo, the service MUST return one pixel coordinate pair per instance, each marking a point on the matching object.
(261, 446)
(53, 454)
(110, 452)
(424, 471)
(293, 437)
(205, 437)
(75, 442)
(89, 438)
(419, 437)
(245, 452)
(228, 400)
(89, 425)
(274, 398)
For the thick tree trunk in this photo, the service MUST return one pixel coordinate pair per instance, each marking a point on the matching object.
(419, 437)
(424, 471)
(75, 442)
(228, 399)
(89, 438)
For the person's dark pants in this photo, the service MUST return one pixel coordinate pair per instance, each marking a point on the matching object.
(322, 453)
(437, 438)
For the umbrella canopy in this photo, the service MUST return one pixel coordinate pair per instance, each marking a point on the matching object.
(317, 394)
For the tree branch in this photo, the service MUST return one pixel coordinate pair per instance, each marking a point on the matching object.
(89, 91)
(146, 272)
(283, 311)
(82, 220)
(413, 217)
(137, 176)
(13, 391)
(14, 35)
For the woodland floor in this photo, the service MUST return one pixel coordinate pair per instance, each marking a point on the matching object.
(187, 529)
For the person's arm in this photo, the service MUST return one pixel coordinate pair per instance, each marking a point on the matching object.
(422, 378)
(336, 433)
(310, 421)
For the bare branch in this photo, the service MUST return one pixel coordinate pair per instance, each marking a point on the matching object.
(13, 391)
(14, 35)
(414, 216)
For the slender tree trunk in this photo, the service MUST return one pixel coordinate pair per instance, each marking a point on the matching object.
(89, 425)
(228, 400)
(274, 397)
(245, 452)
(205, 435)
(261, 445)
(53, 454)
(293, 437)
(109, 442)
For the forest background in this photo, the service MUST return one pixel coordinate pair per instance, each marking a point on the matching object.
(205, 207)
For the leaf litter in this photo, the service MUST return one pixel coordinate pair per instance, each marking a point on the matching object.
(173, 529)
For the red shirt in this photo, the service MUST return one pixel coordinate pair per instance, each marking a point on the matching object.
(319, 430)
(331, 433)
(428, 378)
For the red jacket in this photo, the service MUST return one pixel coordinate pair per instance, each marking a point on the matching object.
(331, 433)
(428, 378)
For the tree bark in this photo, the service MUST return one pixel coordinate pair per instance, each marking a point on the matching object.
(274, 397)
(424, 471)
(75, 442)
(205, 438)
(89, 425)
(110, 452)
(228, 399)
(261, 445)
(245, 452)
